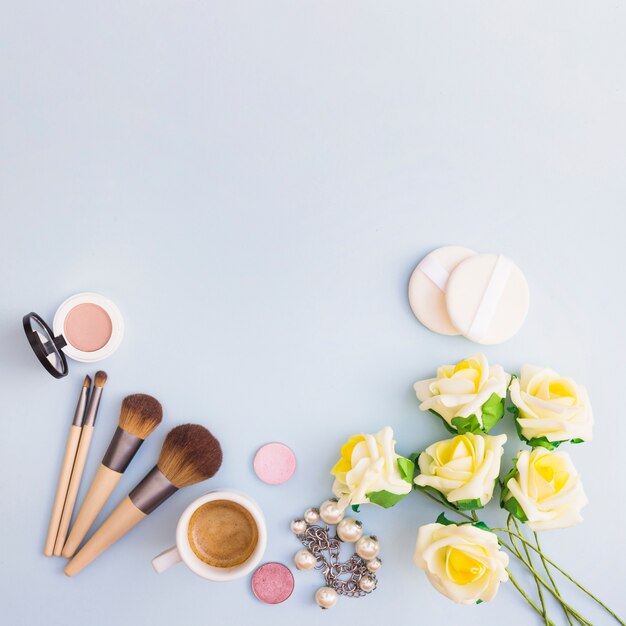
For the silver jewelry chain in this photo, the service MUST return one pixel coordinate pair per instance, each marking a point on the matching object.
(343, 577)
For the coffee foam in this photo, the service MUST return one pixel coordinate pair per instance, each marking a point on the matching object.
(222, 533)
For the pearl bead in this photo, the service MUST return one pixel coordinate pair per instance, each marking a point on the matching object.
(312, 516)
(349, 529)
(374, 565)
(298, 526)
(367, 547)
(326, 597)
(304, 560)
(330, 512)
(367, 584)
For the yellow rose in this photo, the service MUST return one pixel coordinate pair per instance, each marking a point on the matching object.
(462, 562)
(369, 470)
(468, 396)
(544, 490)
(551, 406)
(464, 469)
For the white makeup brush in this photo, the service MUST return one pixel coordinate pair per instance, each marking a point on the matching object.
(189, 455)
(139, 416)
(66, 468)
(100, 380)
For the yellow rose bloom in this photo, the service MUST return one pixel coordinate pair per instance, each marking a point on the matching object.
(368, 465)
(544, 490)
(462, 562)
(464, 468)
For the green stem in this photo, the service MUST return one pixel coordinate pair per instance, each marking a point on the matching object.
(538, 577)
(525, 596)
(545, 566)
(446, 504)
(530, 562)
(575, 582)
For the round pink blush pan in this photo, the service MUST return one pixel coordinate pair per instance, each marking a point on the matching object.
(88, 327)
(272, 583)
(275, 463)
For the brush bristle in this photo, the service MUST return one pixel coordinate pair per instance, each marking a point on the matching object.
(189, 455)
(87, 382)
(140, 414)
(100, 379)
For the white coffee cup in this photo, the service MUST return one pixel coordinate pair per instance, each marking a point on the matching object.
(182, 550)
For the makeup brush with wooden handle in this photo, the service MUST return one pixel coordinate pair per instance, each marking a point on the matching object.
(139, 416)
(189, 455)
(100, 380)
(66, 468)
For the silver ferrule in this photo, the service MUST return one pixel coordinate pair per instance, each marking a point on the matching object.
(80, 407)
(152, 491)
(121, 450)
(92, 409)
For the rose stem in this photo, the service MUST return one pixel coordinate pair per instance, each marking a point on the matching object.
(446, 504)
(538, 577)
(521, 558)
(551, 562)
(525, 596)
(545, 566)
(530, 561)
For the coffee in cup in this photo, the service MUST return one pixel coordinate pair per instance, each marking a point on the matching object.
(220, 536)
(222, 533)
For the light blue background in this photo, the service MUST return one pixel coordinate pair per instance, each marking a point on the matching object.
(252, 183)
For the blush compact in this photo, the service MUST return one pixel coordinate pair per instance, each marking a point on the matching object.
(87, 327)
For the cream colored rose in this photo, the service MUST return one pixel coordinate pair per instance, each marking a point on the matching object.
(469, 388)
(464, 469)
(463, 562)
(369, 470)
(551, 406)
(544, 490)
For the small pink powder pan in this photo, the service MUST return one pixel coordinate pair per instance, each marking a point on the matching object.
(87, 327)
(275, 463)
(272, 583)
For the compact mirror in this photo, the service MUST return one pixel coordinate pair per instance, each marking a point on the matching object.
(45, 345)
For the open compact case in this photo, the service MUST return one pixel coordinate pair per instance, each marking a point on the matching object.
(87, 327)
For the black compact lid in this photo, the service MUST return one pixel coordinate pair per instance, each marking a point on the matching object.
(45, 345)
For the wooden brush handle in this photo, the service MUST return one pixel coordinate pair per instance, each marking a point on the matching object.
(125, 517)
(101, 488)
(72, 491)
(63, 484)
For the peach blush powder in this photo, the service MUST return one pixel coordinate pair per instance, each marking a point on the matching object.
(87, 327)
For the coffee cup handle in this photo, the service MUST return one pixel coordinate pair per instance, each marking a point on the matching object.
(166, 559)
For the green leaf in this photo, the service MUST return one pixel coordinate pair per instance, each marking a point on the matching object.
(511, 474)
(507, 501)
(407, 469)
(479, 601)
(467, 424)
(514, 507)
(543, 442)
(386, 499)
(413, 457)
(434, 492)
(493, 410)
(577, 440)
(468, 505)
(442, 519)
(446, 425)
(355, 508)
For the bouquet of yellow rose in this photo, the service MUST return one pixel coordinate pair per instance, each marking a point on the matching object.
(465, 559)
